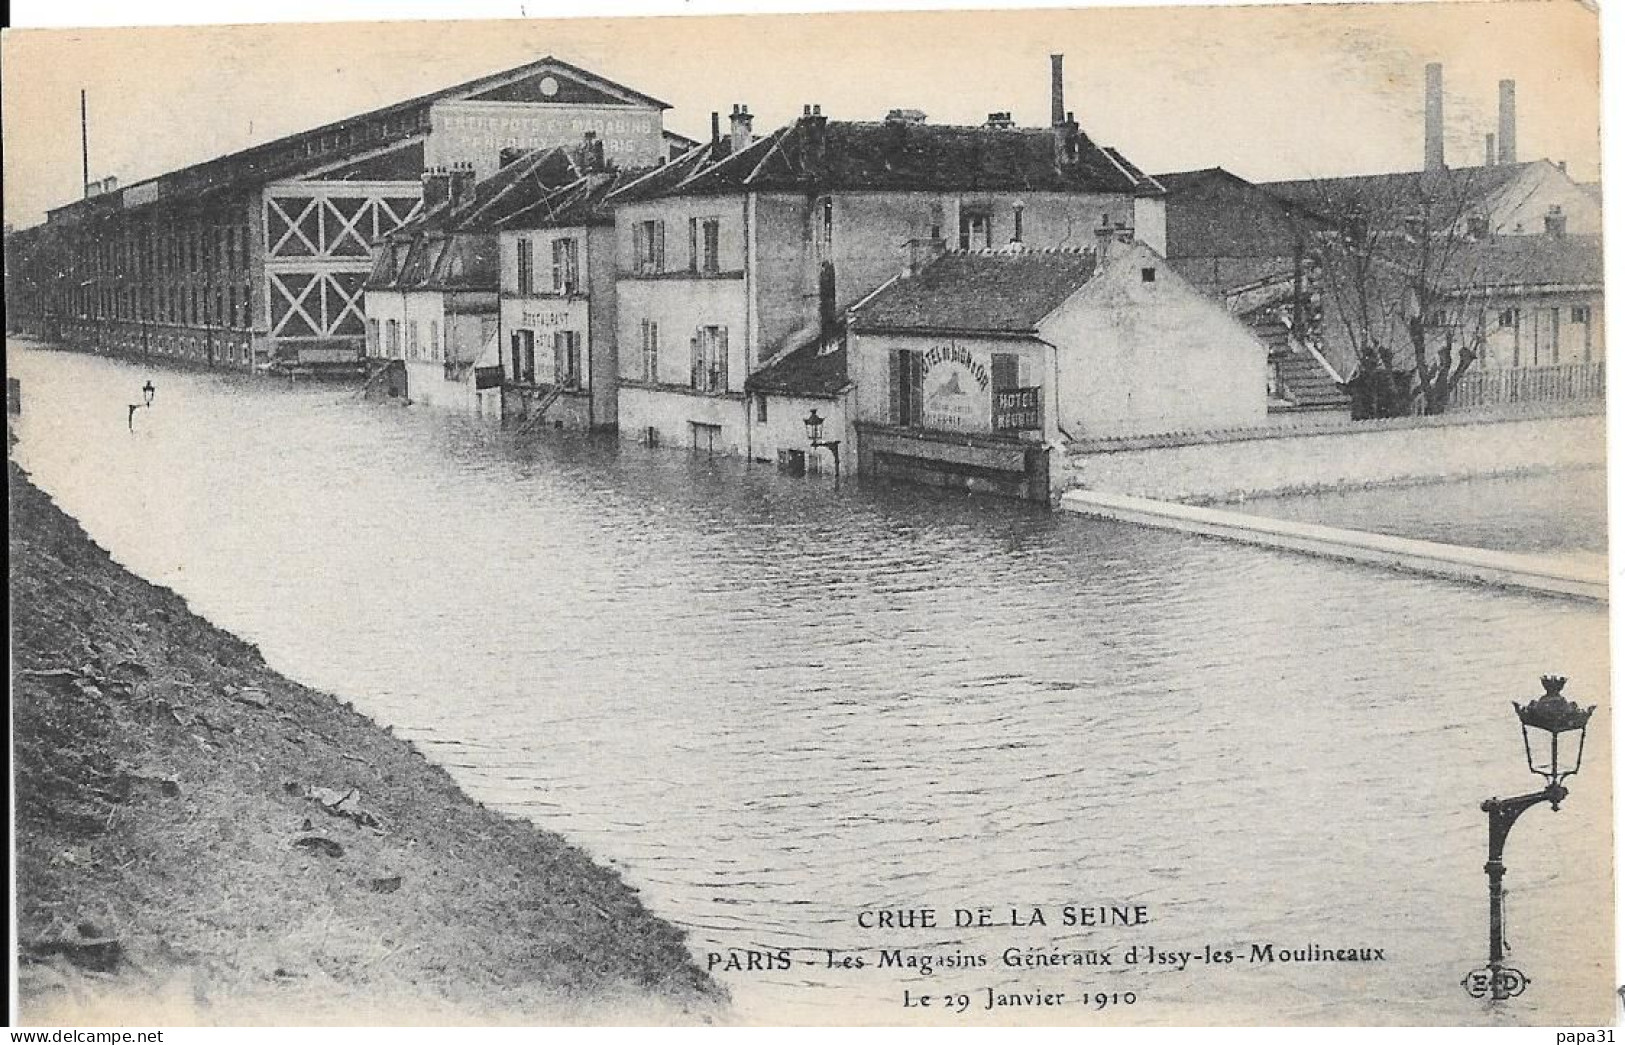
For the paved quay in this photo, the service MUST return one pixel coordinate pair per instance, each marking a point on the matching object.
(1549, 576)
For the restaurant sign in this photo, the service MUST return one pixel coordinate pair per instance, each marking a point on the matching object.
(1018, 409)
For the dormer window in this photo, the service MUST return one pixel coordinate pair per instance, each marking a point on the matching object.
(975, 228)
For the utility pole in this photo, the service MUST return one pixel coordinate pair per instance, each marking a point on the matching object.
(84, 140)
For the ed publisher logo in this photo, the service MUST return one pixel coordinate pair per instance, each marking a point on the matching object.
(1496, 984)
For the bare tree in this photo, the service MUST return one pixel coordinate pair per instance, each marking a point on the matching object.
(1400, 285)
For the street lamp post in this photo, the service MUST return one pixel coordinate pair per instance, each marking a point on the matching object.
(147, 392)
(815, 438)
(1554, 730)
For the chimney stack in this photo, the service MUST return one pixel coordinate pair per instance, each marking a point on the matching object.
(1508, 152)
(436, 187)
(460, 183)
(1489, 150)
(739, 127)
(716, 128)
(1433, 119)
(1103, 241)
(1057, 92)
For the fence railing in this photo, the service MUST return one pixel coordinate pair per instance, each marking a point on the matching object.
(1542, 384)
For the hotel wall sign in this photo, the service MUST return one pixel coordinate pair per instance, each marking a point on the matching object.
(1017, 410)
(955, 389)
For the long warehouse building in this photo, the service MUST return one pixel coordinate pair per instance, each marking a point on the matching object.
(258, 258)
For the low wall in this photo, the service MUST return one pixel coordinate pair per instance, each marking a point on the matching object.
(1543, 574)
(1233, 465)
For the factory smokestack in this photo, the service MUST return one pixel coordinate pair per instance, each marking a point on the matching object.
(1433, 119)
(1057, 93)
(1509, 123)
(1489, 150)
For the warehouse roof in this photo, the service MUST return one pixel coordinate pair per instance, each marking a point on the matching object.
(399, 125)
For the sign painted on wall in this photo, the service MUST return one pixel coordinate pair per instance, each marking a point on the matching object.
(1017, 409)
(956, 384)
(533, 318)
(477, 132)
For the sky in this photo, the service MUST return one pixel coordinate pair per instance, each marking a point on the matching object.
(1266, 92)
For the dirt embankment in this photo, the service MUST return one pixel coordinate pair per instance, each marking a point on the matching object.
(201, 840)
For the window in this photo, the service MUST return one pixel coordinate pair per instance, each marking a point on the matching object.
(826, 225)
(1006, 371)
(936, 220)
(651, 351)
(526, 266)
(566, 273)
(761, 409)
(372, 337)
(412, 339)
(709, 372)
(231, 306)
(567, 359)
(523, 351)
(975, 228)
(392, 338)
(649, 247)
(1148, 275)
(248, 307)
(1508, 318)
(434, 339)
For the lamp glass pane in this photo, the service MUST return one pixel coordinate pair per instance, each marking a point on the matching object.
(1568, 750)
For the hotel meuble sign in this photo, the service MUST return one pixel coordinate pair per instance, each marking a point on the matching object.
(477, 132)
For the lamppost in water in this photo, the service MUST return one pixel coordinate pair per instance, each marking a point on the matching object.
(815, 437)
(1554, 734)
(147, 392)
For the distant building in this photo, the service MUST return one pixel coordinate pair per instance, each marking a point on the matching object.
(260, 256)
(1255, 251)
(975, 371)
(749, 250)
(1514, 199)
(1517, 261)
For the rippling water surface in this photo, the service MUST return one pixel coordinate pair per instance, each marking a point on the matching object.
(773, 705)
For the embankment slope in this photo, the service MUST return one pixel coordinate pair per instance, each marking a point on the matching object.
(200, 840)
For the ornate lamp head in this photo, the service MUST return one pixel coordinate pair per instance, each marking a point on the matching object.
(815, 427)
(147, 392)
(1556, 754)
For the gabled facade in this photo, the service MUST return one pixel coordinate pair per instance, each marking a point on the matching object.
(260, 257)
(974, 372)
(750, 249)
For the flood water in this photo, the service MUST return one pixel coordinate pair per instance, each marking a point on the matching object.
(773, 705)
(1558, 514)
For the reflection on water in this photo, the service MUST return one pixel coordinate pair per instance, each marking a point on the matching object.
(773, 705)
